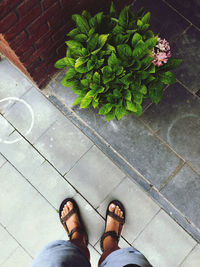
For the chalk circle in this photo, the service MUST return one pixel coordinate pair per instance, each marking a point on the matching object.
(184, 135)
(30, 111)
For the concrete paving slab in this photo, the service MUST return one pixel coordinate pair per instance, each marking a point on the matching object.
(94, 256)
(2, 160)
(6, 129)
(18, 258)
(37, 221)
(51, 184)
(164, 242)
(12, 84)
(7, 245)
(44, 114)
(95, 176)
(63, 144)
(25, 158)
(139, 211)
(180, 127)
(183, 191)
(193, 259)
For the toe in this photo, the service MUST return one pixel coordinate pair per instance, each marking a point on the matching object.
(112, 207)
(64, 211)
(116, 210)
(70, 205)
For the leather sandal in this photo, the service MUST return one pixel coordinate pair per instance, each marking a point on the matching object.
(113, 234)
(81, 228)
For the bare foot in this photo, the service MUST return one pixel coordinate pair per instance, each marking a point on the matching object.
(73, 222)
(112, 225)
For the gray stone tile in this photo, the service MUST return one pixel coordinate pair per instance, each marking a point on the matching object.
(7, 245)
(26, 214)
(6, 129)
(141, 149)
(63, 144)
(164, 242)
(184, 192)
(186, 47)
(193, 258)
(140, 208)
(2, 160)
(51, 184)
(18, 258)
(177, 120)
(94, 256)
(21, 154)
(43, 111)
(12, 84)
(95, 176)
(93, 221)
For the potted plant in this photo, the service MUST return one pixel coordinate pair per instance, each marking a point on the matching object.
(114, 62)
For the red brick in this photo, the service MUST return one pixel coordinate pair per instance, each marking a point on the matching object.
(27, 54)
(61, 34)
(6, 6)
(46, 52)
(26, 6)
(31, 68)
(16, 42)
(44, 40)
(8, 21)
(61, 50)
(39, 32)
(55, 22)
(26, 20)
(47, 3)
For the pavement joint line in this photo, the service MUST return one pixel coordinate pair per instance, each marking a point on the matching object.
(173, 174)
(16, 240)
(163, 203)
(191, 92)
(177, 11)
(10, 256)
(192, 167)
(188, 254)
(74, 165)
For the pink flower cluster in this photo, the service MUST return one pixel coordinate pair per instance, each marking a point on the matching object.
(161, 52)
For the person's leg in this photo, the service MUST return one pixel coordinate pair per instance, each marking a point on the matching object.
(77, 238)
(109, 243)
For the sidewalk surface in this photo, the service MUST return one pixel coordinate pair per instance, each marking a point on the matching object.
(55, 160)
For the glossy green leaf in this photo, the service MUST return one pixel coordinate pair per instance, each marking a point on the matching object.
(155, 91)
(167, 77)
(124, 17)
(85, 102)
(136, 38)
(81, 23)
(124, 51)
(77, 100)
(81, 37)
(74, 44)
(128, 95)
(130, 106)
(146, 18)
(105, 109)
(120, 111)
(110, 116)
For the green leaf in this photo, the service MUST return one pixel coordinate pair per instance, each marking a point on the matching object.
(90, 93)
(85, 83)
(99, 63)
(107, 74)
(73, 33)
(92, 43)
(96, 78)
(145, 27)
(110, 49)
(105, 109)
(143, 89)
(77, 90)
(136, 38)
(117, 29)
(77, 100)
(146, 62)
(91, 31)
(117, 93)
(124, 51)
(139, 23)
(172, 63)
(137, 65)
(155, 91)
(151, 68)
(85, 102)
(137, 97)
(99, 17)
(146, 18)
(86, 14)
(110, 116)
(74, 45)
(119, 70)
(130, 106)
(113, 62)
(102, 39)
(113, 12)
(128, 95)
(127, 79)
(80, 61)
(167, 77)
(124, 17)
(81, 23)
(143, 74)
(61, 63)
(70, 74)
(120, 111)
(139, 110)
(148, 34)
(151, 43)
(80, 37)
(82, 69)
(68, 83)
(139, 50)
(95, 103)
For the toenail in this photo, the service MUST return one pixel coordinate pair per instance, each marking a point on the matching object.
(112, 205)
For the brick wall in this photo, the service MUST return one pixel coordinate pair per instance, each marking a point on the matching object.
(32, 32)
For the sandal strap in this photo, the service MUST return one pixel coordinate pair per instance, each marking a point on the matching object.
(116, 217)
(76, 229)
(109, 233)
(69, 214)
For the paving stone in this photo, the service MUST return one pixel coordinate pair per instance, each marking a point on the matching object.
(177, 120)
(189, 9)
(45, 114)
(140, 208)
(164, 242)
(6, 129)
(36, 222)
(63, 144)
(164, 20)
(184, 192)
(12, 84)
(141, 148)
(94, 256)
(95, 176)
(21, 154)
(18, 258)
(186, 47)
(51, 184)
(2, 160)
(193, 259)
(7, 245)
